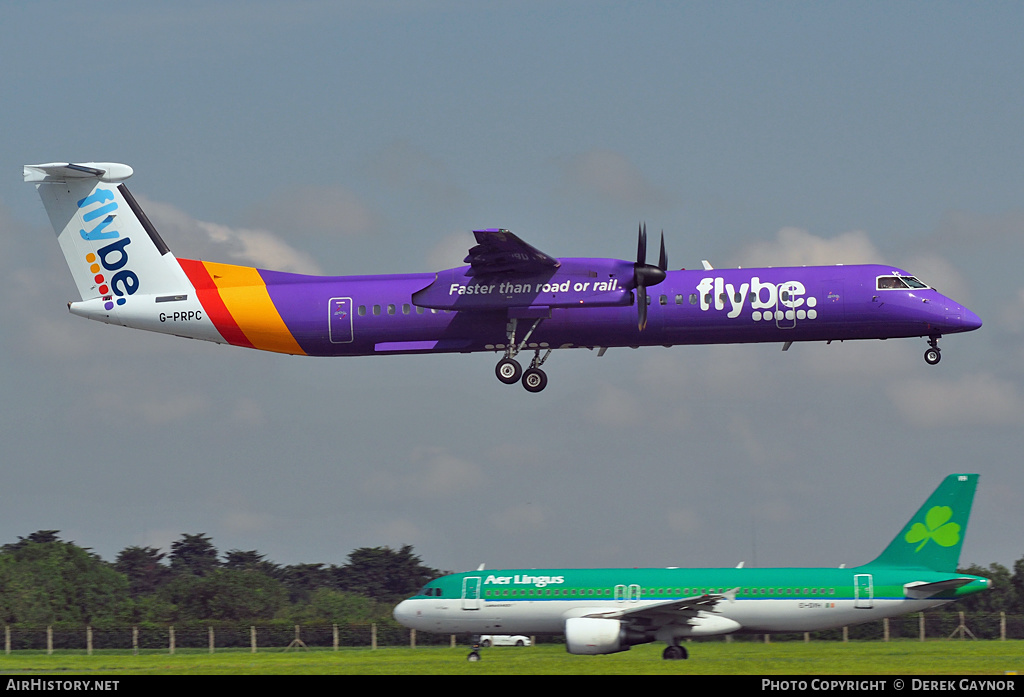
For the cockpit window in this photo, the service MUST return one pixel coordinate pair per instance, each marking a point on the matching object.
(898, 283)
(890, 283)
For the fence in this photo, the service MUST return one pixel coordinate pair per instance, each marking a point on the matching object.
(284, 637)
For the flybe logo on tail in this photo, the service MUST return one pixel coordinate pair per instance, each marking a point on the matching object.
(935, 528)
(111, 258)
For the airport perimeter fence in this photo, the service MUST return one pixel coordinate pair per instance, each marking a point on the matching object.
(278, 636)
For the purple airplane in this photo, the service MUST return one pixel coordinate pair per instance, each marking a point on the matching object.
(511, 297)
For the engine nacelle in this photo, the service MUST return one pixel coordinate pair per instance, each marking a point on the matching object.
(594, 635)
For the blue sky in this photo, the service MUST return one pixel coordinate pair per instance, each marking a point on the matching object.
(371, 137)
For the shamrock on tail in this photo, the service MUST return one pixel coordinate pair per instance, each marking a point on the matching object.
(945, 534)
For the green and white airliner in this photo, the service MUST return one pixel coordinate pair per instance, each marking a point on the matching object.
(608, 610)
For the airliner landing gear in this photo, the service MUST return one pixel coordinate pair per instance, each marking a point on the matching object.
(474, 654)
(933, 355)
(535, 379)
(674, 652)
(508, 369)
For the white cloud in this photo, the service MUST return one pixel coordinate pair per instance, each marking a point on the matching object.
(979, 399)
(191, 238)
(260, 248)
(797, 247)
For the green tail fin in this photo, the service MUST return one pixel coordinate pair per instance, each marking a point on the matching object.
(932, 538)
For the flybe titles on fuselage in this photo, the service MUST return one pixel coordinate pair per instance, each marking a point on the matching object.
(766, 300)
(523, 579)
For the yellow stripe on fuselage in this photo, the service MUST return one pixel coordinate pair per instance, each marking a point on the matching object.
(245, 295)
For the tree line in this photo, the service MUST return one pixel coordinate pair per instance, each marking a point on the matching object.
(45, 580)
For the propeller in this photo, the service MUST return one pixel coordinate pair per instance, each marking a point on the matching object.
(645, 274)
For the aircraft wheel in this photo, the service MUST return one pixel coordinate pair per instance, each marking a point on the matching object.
(535, 380)
(932, 356)
(674, 653)
(508, 371)
(473, 657)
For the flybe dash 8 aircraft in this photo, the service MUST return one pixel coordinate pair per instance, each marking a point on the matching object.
(510, 298)
(608, 610)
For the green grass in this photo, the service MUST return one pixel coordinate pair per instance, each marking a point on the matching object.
(706, 658)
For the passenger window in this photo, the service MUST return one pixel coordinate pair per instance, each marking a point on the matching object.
(679, 300)
(391, 309)
(376, 309)
(406, 309)
(664, 300)
(693, 298)
(362, 310)
(420, 310)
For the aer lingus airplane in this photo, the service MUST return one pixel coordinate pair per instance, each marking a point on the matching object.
(510, 298)
(608, 610)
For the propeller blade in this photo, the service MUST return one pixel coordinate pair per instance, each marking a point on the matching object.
(645, 274)
(641, 299)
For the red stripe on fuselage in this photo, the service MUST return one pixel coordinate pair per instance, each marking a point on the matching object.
(210, 298)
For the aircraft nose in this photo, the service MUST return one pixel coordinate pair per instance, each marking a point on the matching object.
(403, 612)
(970, 321)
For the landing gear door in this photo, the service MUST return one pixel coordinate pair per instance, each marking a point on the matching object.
(471, 593)
(863, 591)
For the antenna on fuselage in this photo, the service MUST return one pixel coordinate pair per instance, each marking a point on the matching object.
(480, 568)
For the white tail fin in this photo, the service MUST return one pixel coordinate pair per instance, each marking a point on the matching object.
(110, 246)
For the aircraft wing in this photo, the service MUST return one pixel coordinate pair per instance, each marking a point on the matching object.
(680, 611)
(499, 251)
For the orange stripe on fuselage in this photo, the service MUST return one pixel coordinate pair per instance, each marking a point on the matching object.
(237, 302)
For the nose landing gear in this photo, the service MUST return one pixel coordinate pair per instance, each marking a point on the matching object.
(933, 355)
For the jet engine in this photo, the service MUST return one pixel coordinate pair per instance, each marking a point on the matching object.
(594, 635)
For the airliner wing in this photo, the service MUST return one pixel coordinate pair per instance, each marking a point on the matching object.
(499, 251)
(669, 612)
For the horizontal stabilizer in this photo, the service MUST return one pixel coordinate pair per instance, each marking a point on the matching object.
(63, 171)
(921, 590)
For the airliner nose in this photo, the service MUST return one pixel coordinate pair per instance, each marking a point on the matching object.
(403, 612)
(970, 321)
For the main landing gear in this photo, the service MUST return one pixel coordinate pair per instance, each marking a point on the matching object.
(474, 654)
(508, 369)
(674, 652)
(933, 355)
